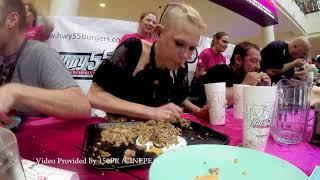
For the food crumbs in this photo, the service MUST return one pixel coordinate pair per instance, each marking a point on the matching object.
(214, 171)
(235, 160)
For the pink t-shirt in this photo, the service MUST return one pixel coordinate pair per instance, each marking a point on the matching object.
(208, 58)
(35, 33)
(135, 35)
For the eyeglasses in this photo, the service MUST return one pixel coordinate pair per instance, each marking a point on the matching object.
(165, 9)
(194, 57)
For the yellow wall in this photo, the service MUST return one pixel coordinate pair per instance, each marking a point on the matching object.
(42, 6)
(120, 9)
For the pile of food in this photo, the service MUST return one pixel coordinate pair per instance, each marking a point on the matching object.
(126, 143)
(162, 134)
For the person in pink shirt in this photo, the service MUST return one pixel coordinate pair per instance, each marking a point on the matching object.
(208, 58)
(212, 56)
(32, 29)
(147, 24)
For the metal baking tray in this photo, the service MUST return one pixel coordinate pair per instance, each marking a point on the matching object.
(195, 134)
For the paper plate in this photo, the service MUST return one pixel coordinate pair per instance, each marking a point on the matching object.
(149, 145)
(233, 163)
(17, 121)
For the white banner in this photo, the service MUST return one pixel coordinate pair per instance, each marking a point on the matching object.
(84, 42)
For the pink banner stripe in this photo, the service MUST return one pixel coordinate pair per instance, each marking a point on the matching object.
(270, 4)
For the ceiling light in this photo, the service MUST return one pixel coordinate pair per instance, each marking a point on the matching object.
(102, 5)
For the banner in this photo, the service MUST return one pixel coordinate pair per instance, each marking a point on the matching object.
(84, 43)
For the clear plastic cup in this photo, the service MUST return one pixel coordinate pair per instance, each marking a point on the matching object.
(10, 162)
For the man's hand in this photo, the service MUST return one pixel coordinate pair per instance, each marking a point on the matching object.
(5, 120)
(307, 68)
(7, 102)
(252, 78)
(7, 98)
(265, 79)
(298, 62)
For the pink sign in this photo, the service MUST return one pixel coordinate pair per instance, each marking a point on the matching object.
(270, 4)
(262, 12)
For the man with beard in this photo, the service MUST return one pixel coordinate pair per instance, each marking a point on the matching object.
(244, 68)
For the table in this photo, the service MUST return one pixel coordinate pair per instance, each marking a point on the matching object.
(52, 138)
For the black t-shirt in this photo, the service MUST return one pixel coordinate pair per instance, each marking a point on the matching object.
(220, 73)
(274, 56)
(150, 86)
(223, 73)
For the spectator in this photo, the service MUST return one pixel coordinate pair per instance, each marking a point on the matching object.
(207, 59)
(147, 24)
(33, 30)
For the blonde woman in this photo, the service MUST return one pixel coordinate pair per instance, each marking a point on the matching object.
(149, 80)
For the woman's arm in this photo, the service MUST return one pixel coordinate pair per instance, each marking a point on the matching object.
(202, 113)
(105, 101)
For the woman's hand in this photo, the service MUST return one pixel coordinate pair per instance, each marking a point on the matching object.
(202, 113)
(167, 113)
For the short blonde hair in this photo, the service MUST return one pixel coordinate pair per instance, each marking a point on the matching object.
(177, 11)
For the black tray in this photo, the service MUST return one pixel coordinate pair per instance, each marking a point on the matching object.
(197, 134)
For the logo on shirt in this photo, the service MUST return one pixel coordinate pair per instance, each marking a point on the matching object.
(84, 65)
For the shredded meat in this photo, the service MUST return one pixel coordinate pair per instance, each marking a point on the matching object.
(129, 153)
(104, 154)
(160, 133)
(184, 123)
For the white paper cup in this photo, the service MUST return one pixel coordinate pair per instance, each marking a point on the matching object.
(216, 96)
(238, 100)
(258, 111)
